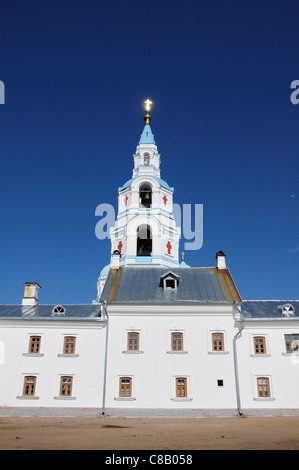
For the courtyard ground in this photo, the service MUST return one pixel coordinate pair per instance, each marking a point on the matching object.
(112, 433)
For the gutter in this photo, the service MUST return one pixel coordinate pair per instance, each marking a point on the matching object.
(106, 356)
(237, 335)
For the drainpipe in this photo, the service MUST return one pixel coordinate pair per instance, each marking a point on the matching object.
(237, 335)
(106, 353)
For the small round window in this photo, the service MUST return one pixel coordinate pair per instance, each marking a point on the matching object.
(58, 310)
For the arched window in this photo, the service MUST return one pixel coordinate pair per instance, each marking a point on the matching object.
(144, 241)
(145, 195)
(146, 159)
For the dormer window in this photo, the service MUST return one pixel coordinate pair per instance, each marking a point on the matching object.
(169, 281)
(170, 284)
(58, 310)
(288, 310)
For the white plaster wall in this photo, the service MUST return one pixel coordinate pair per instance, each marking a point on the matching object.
(154, 369)
(282, 369)
(86, 368)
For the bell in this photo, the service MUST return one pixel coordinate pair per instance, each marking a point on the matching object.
(147, 196)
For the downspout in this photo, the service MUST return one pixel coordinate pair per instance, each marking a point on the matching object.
(237, 335)
(106, 353)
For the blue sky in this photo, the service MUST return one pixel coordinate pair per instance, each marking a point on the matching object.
(76, 75)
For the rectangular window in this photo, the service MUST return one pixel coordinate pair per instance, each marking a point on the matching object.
(181, 387)
(125, 387)
(133, 341)
(177, 341)
(29, 386)
(217, 342)
(292, 343)
(69, 345)
(34, 344)
(66, 385)
(259, 345)
(263, 387)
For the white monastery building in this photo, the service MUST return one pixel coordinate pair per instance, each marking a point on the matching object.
(162, 338)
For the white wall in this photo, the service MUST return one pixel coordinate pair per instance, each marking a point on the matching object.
(282, 369)
(154, 369)
(86, 366)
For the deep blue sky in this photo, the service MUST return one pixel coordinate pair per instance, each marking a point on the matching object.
(76, 75)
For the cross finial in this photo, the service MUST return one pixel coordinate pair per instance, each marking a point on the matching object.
(147, 117)
(148, 105)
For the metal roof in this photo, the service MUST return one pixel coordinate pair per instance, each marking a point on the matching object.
(268, 308)
(147, 137)
(196, 285)
(81, 312)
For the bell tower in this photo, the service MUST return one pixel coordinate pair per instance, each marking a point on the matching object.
(145, 231)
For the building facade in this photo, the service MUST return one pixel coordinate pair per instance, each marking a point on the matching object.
(162, 338)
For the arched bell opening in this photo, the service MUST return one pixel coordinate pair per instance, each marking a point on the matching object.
(144, 243)
(145, 195)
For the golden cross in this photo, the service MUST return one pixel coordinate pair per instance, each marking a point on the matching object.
(148, 103)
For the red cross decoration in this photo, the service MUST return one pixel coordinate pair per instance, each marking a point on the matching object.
(120, 245)
(165, 200)
(126, 200)
(168, 246)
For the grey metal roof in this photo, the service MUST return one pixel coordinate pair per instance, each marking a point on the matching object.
(267, 308)
(82, 312)
(196, 285)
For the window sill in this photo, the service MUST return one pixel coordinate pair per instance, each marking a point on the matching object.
(127, 351)
(64, 398)
(177, 352)
(27, 397)
(264, 399)
(218, 353)
(260, 355)
(182, 399)
(33, 354)
(67, 355)
(124, 398)
(295, 353)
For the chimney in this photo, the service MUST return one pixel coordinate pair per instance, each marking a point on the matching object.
(31, 293)
(220, 257)
(115, 257)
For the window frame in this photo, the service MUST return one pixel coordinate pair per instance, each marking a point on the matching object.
(65, 338)
(262, 394)
(33, 394)
(257, 347)
(216, 349)
(127, 386)
(175, 341)
(179, 387)
(257, 396)
(291, 350)
(36, 346)
(137, 341)
(70, 387)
